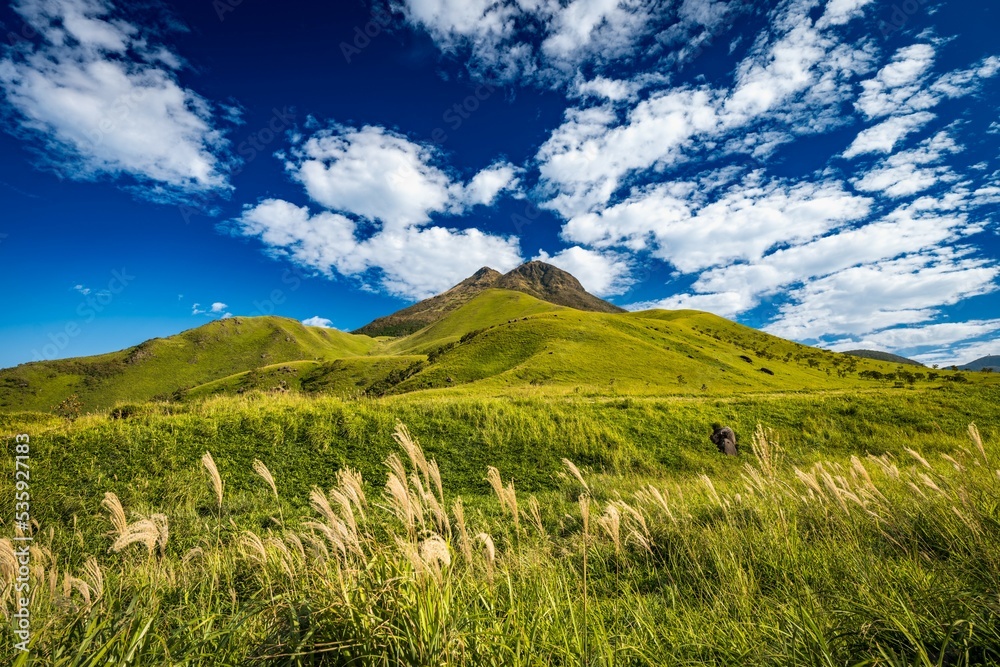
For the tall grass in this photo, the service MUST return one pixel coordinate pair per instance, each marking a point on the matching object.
(887, 559)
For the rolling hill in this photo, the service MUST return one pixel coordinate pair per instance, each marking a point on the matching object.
(483, 341)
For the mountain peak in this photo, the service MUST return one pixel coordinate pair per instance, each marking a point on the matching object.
(550, 283)
(538, 279)
(485, 275)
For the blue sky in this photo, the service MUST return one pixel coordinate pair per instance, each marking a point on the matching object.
(827, 171)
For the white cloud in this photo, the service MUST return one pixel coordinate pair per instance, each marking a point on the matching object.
(897, 86)
(741, 225)
(907, 290)
(882, 138)
(960, 354)
(900, 339)
(217, 309)
(724, 304)
(377, 174)
(413, 262)
(82, 290)
(903, 175)
(600, 273)
(318, 321)
(105, 100)
(551, 40)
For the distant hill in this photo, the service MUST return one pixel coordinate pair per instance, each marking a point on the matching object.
(992, 361)
(883, 356)
(540, 280)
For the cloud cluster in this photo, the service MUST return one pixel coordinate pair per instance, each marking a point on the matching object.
(548, 41)
(104, 98)
(377, 192)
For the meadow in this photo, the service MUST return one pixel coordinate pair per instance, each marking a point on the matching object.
(857, 527)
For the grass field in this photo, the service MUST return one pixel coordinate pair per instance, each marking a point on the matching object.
(859, 525)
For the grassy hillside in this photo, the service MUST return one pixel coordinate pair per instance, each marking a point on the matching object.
(861, 527)
(159, 367)
(500, 342)
(486, 348)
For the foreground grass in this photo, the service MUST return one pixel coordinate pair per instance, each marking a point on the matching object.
(858, 529)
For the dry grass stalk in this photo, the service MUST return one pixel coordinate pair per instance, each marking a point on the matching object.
(71, 583)
(611, 522)
(765, 447)
(955, 464)
(463, 533)
(491, 552)
(193, 553)
(573, 470)
(265, 474)
(116, 512)
(929, 483)
(413, 450)
(711, 488)
(535, 515)
(213, 474)
(93, 571)
(977, 440)
(8, 561)
(886, 464)
(918, 457)
(652, 496)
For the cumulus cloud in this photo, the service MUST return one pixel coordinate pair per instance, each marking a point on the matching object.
(103, 98)
(741, 225)
(378, 193)
(318, 321)
(377, 174)
(907, 290)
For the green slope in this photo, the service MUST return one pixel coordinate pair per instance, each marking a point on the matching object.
(349, 376)
(651, 352)
(161, 366)
(499, 343)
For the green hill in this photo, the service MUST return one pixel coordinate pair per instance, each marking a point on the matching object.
(497, 343)
(650, 352)
(159, 367)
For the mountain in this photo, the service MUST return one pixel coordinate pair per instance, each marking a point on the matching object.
(883, 356)
(549, 283)
(160, 367)
(481, 340)
(992, 361)
(540, 280)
